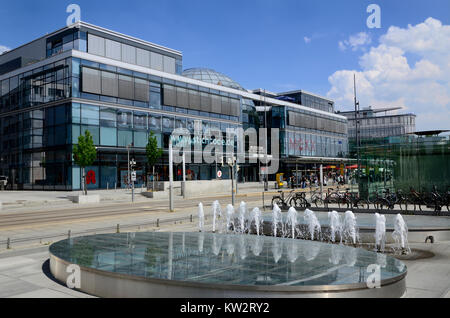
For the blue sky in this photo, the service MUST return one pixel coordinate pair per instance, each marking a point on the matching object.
(259, 43)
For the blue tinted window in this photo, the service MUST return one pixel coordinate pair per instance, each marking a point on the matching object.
(125, 137)
(90, 115)
(108, 136)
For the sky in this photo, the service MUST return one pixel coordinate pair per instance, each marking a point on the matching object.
(282, 45)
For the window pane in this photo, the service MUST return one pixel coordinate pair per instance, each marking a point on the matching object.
(128, 54)
(108, 117)
(126, 87)
(170, 97)
(113, 50)
(94, 132)
(156, 61)
(142, 57)
(75, 134)
(169, 64)
(76, 113)
(182, 97)
(110, 84)
(108, 136)
(154, 123)
(91, 81)
(90, 115)
(216, 104)
(140, 139)
(194, 100)
(141, 90)
(125, 119)
(168, 124)
(96, 45)
(140, 120)
(125, 137)
(226, 106)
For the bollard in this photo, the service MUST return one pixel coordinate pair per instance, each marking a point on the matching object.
(8, 244)
(157, 222)
(118, 228)
(264, 207)
(191, 218)
(68, 235)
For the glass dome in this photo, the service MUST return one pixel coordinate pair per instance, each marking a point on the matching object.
(211, 76)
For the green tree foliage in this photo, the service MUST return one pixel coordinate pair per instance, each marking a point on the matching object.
(153, 153)
(84, 154)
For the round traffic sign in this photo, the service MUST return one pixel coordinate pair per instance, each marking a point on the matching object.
(219, 174)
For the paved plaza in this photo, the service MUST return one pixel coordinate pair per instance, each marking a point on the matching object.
(24, 268)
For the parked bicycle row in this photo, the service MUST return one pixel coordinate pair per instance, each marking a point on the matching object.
(412, 201)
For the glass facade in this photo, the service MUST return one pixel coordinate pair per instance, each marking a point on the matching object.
(304, 133)
(44, 110)
(120, 51)
(308, 100)
(404, 162)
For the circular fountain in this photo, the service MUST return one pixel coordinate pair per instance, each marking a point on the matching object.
(420, 227)
(162, 264)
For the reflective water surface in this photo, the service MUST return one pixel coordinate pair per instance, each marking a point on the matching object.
(225, 259)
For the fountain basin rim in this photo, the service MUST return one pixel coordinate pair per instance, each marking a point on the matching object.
(56, 260)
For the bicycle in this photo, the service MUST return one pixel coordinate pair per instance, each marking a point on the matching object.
(380, 202)
(354, 201)
(299, 201)
(294, 199)
(414, 198)
(333, 198)
(316, 198)
(281, 201)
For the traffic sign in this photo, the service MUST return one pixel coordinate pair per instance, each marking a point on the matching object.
(133, 176)
(219, 174)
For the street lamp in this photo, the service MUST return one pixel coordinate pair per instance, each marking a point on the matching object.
(231, 162)
(133, 177)
(128, 175)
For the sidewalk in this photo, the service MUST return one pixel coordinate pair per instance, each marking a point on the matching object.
(17, 200)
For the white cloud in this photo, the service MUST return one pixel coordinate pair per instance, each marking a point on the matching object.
(355, 42)
(307, 40)
(387, 78)
(4, 49)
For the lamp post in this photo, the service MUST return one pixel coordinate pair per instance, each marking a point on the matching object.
(133, 177)
(231, 163)
(266, 182)
(128, 175)
(357, 129)
(170, 176)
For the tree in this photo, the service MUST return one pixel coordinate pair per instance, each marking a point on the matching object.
(84, 154)
(153, 154)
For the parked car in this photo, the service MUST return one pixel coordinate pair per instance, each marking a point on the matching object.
(3, 182)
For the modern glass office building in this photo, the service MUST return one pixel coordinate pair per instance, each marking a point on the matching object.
(120, 88)
(375, 128)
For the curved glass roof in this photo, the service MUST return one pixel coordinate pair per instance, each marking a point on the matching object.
(211, 76)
